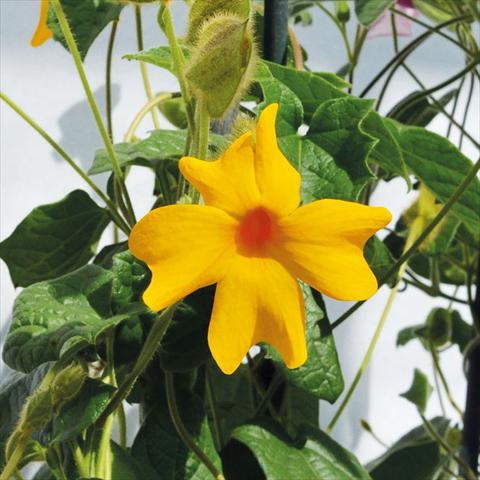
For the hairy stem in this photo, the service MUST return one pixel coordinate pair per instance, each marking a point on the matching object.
(108, 78)
(93, 104)
(143, 66)
(182, 431)
(111, 207)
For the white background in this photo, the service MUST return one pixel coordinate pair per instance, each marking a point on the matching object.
(44, 82)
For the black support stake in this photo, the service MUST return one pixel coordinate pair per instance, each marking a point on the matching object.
(275, 31)
(471, 422)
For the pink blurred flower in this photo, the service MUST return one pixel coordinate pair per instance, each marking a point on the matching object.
(383, 26)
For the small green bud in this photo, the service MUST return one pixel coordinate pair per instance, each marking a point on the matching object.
(222, 63)
(37, 411)
(67, 383)
(173, 109)
(342, 10)
(203, 10)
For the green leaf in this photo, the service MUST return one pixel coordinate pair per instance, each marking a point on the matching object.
(318, 457)
(419, 391)
(462, 332)
(54, 239)
(58, 318)
(158, 56)
(442, 167)
(233, 397)
(185, 344)
(312, 89)
(159, 146)
(415, 456)
(378, 257)
(300, 408)
(336, 127)
(321, 176)
(82, 411)
(130, 278)
(386, 153)
(436, 331)
(161, 452)
(368, 11)
(437, 10)
(321, 374)
(174, 110)
(15, 388)
(290, 113)
(421, 111)
(124, 465)
(87, 18)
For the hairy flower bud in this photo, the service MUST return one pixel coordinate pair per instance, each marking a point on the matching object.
(66, 384)
(37, 411)
(203, 10)
(221, 65)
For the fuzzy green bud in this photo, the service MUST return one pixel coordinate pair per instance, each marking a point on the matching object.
(66, 384)
(222, 63)
(203, 10)
(37, 411)
(342, 11)
(173, 109)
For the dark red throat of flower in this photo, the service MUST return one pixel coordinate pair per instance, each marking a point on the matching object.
(256, 230)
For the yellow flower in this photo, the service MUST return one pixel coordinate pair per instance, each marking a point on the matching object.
(42, 33)
(254, 241)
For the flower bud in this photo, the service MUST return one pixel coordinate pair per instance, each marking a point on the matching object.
(342, 11)
(66, 384)
(203, 10)
(221, 65)
(173, 109)
(37, 411)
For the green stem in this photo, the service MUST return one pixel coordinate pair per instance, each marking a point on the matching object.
(436, 436)
(368, 354)
(150, 346)
(57, 7)
(178, 62)
(431, 291)
(438, 369)
(430, 28)
(122, 426)
(79, 459)
(151, 104)
(407, 50)
(465, 114)
(143, 66)
(104, 456)
(426, 232)
(415, 97)
(213, 410)
(15, 457)
(111, 207)
(108, 78)
(454, 108)
(182, 431)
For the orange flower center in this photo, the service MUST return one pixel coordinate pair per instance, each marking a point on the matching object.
(256, 230)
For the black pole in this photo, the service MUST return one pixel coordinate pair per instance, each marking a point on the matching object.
(471, 422)
(275, 30)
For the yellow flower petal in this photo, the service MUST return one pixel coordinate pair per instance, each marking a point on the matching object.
(277, 179)
(228, 183)
(257, 301)
(186, 247)
(322, 244)
(42, 33)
